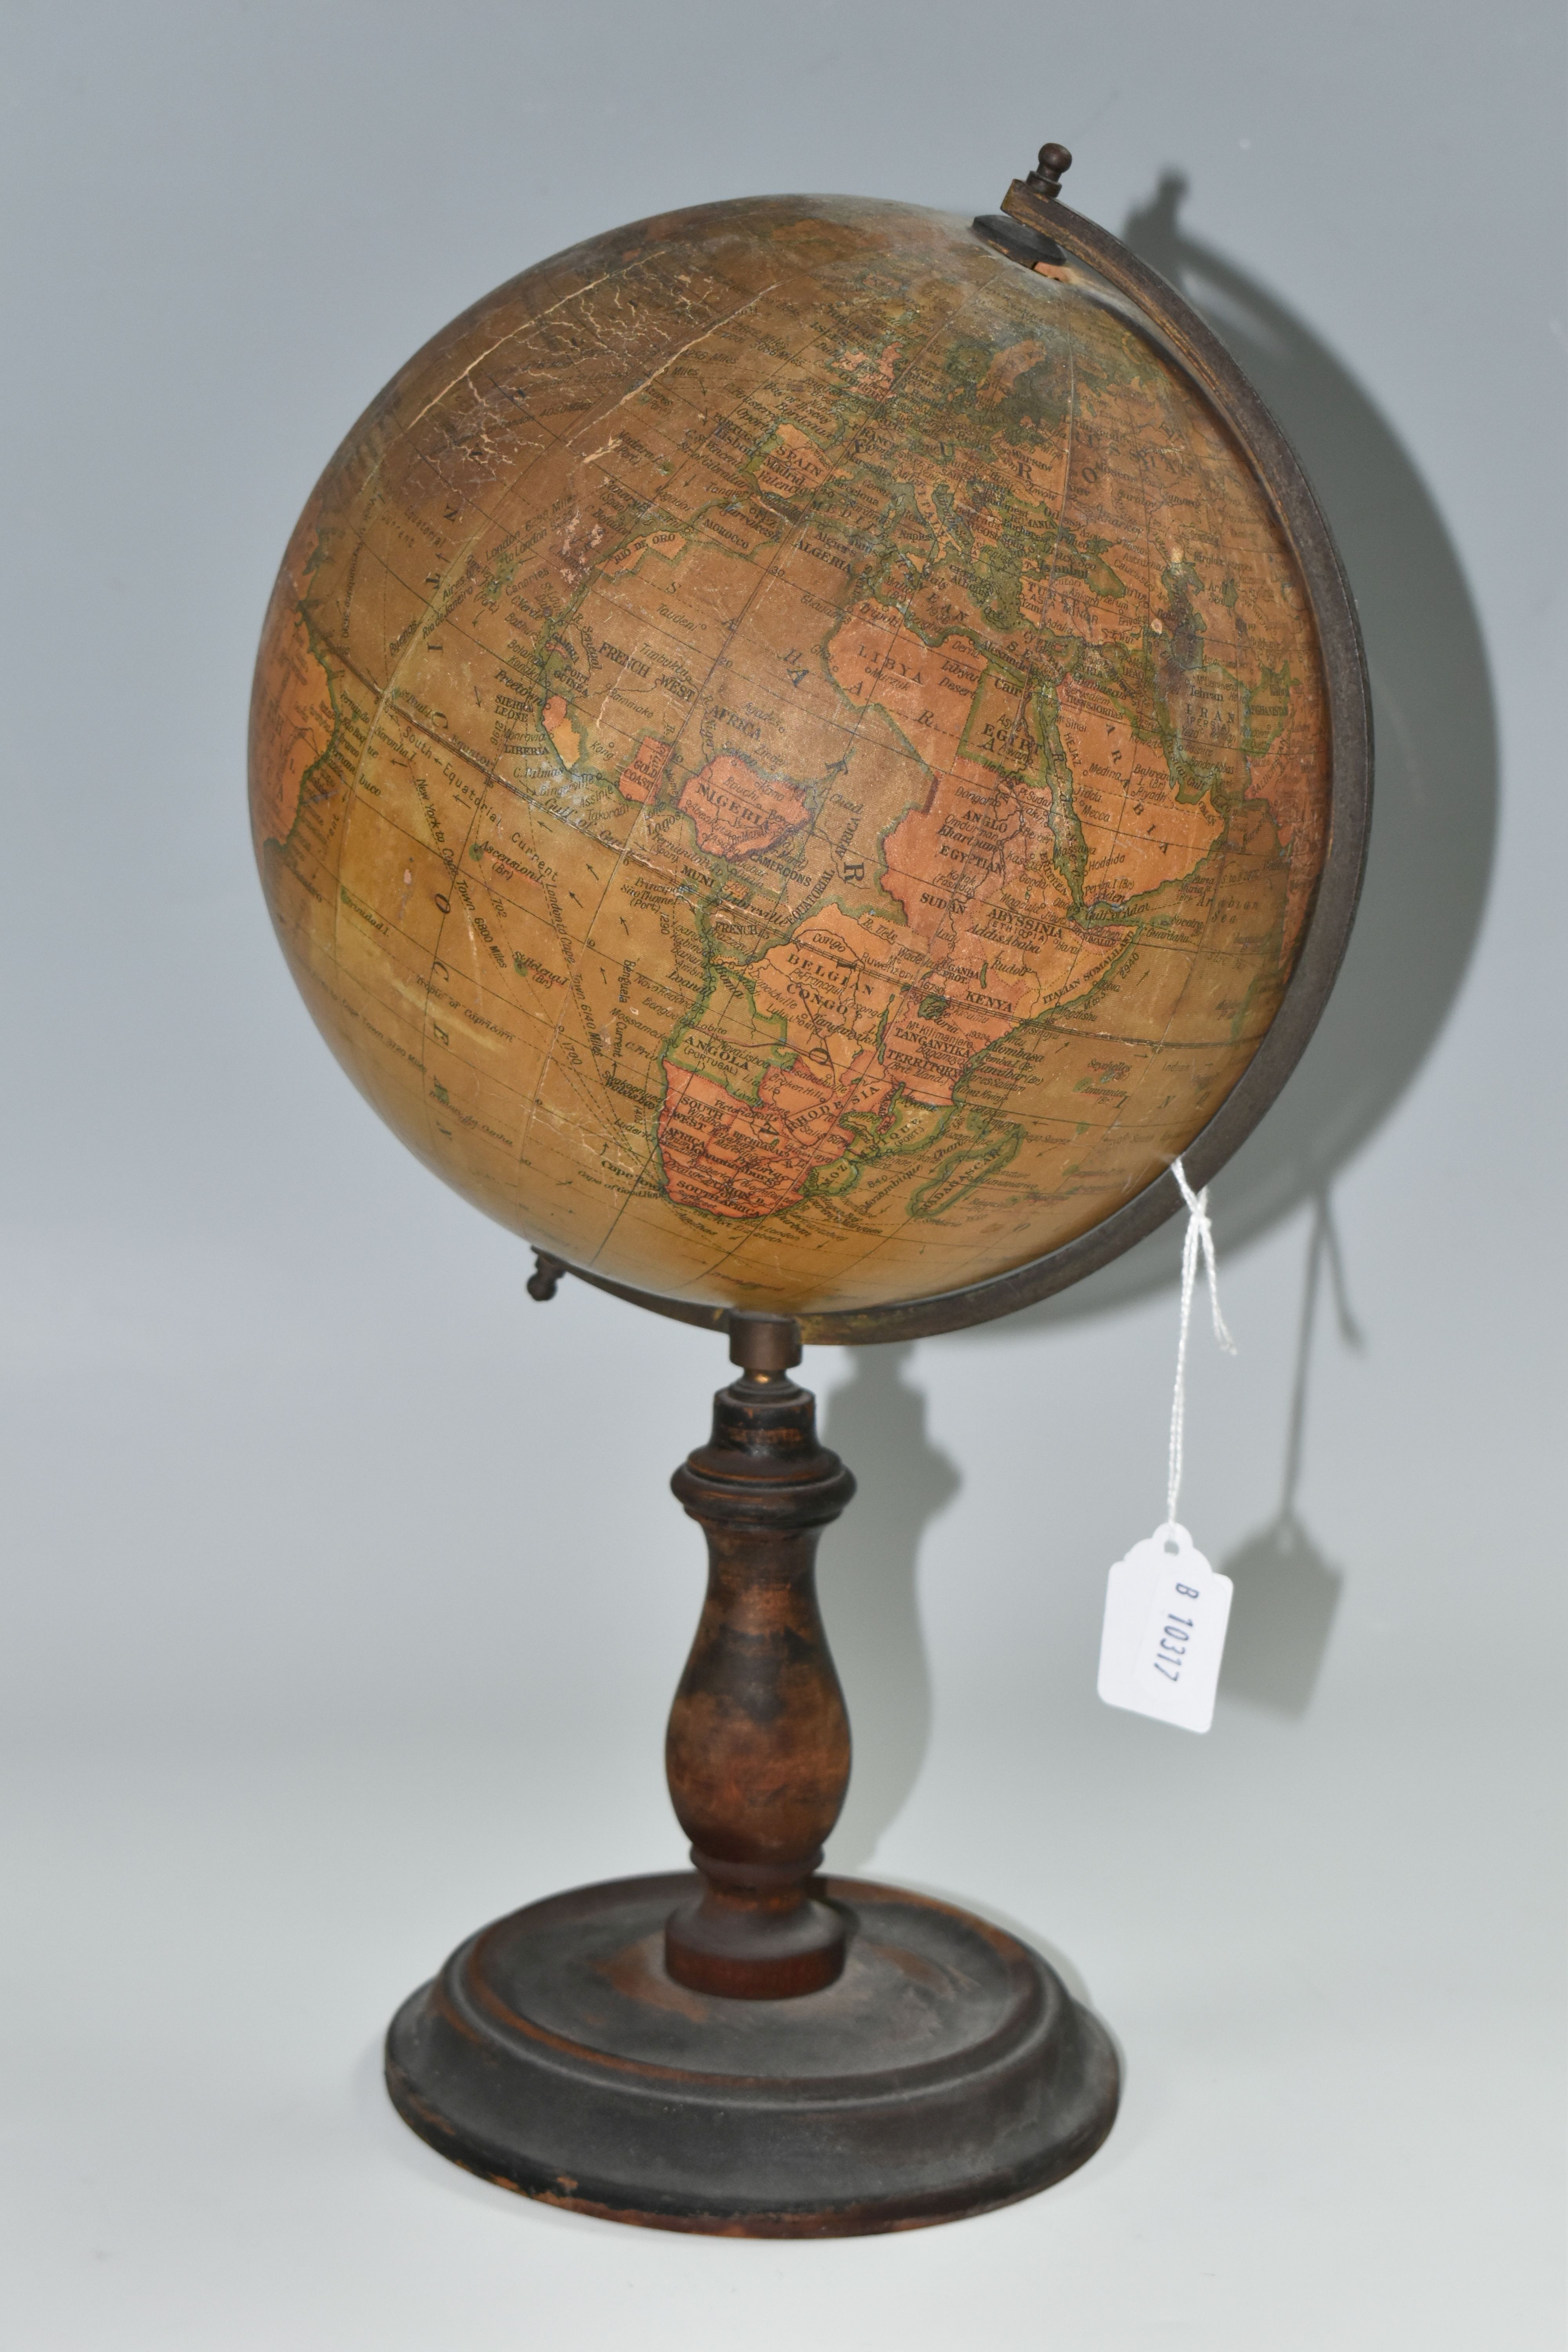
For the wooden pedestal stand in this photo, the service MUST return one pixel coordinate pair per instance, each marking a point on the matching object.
(751, 2049)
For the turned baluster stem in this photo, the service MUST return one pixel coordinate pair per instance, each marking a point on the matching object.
(757, 1747)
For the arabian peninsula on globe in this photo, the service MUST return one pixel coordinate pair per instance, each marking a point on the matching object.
(789, 757)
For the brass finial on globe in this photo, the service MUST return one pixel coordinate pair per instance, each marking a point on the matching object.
(1046, 176)
(803, 752)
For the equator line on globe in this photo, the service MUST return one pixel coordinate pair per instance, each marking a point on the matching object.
(790, 757)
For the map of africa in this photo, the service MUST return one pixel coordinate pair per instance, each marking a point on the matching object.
(789, 758)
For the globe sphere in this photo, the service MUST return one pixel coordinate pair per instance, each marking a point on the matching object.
(789, 758)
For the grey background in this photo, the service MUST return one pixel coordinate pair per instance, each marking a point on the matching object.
(325, 1635)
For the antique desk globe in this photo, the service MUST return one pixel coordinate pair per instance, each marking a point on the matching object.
(802, 753)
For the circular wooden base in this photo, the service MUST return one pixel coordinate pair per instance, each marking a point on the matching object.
(947, 2071)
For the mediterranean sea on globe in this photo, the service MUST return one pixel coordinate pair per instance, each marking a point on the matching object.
(789, 757)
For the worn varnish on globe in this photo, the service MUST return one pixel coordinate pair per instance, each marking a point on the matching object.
(789, 756)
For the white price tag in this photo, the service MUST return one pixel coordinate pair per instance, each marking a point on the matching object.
(1165, 1617)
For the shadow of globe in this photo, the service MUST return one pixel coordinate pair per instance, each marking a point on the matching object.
(1435, 808)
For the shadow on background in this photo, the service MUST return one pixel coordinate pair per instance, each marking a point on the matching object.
(868, 1597)
(1285, 1592)
(1435, 802)
(1428, 872)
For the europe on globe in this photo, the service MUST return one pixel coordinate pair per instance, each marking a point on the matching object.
(789, 755)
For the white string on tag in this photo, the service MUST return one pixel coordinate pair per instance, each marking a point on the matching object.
(1166, 1611)
(1199, 1236)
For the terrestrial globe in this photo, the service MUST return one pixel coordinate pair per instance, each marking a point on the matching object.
(792, 759)
(803, 752)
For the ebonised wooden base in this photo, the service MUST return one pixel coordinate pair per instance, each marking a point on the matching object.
(946, 2070)
(750, 2049)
